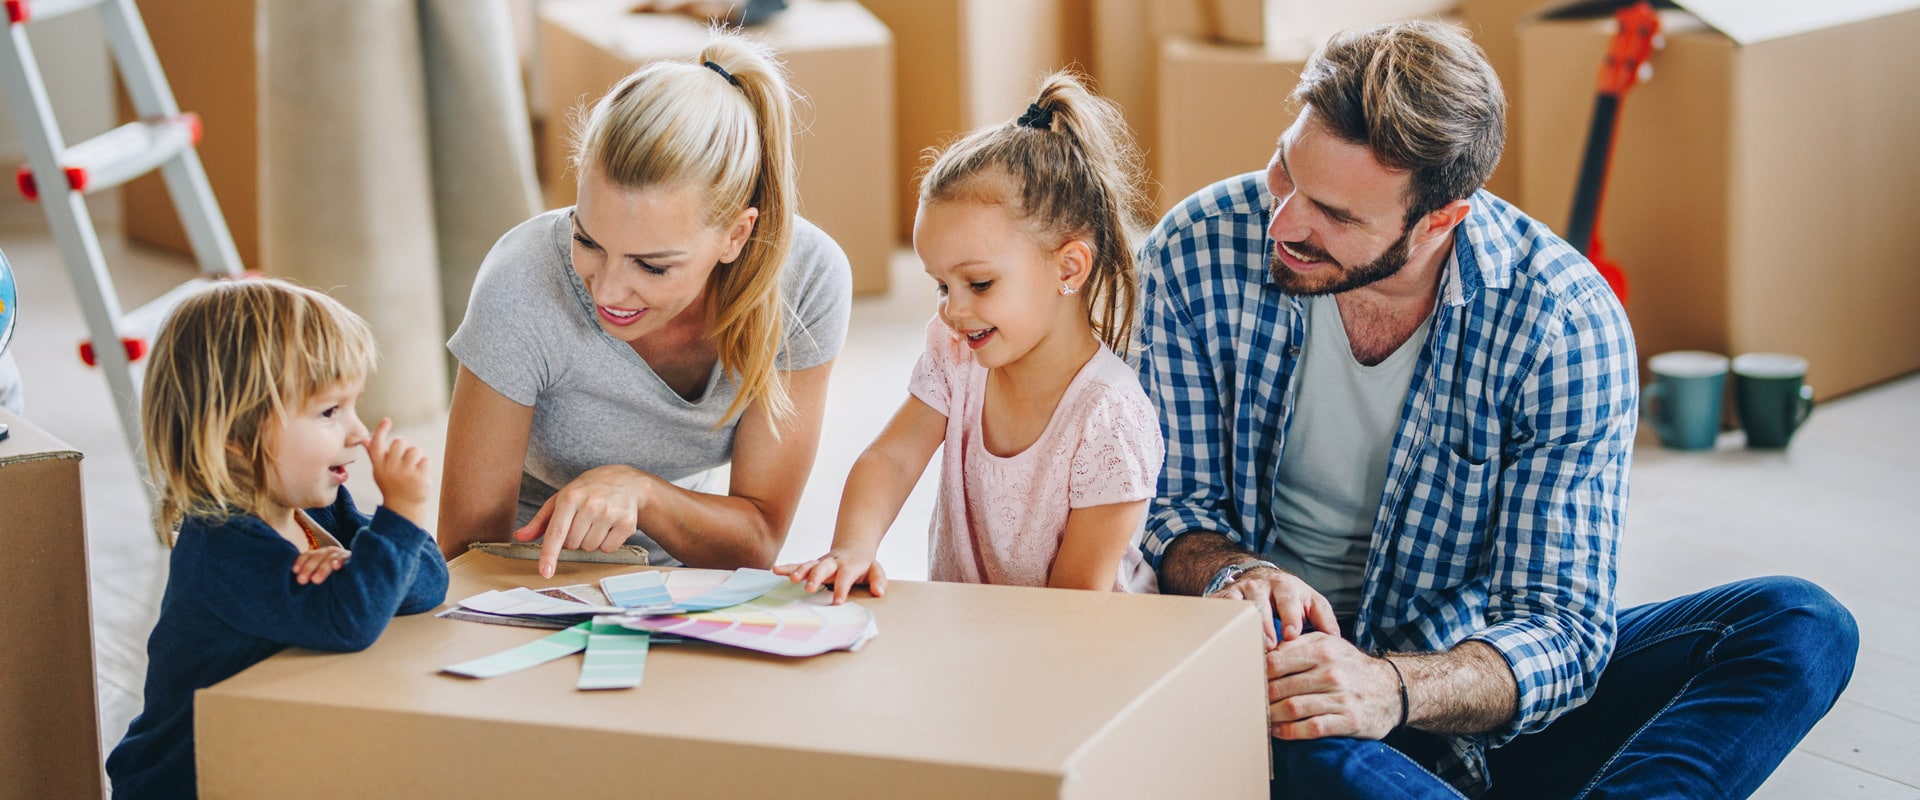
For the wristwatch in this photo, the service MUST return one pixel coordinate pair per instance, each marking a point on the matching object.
(1232, 572)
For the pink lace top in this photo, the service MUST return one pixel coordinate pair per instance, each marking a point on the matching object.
(1000, 520)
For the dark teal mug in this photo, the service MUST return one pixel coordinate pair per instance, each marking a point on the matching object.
(1683, 400)
(1771, 393)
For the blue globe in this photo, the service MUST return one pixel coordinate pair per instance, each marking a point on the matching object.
(7, 297)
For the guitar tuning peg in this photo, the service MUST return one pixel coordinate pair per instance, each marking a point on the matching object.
(1646, 72)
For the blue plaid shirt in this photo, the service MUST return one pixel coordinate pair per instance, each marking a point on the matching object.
(1507, 484)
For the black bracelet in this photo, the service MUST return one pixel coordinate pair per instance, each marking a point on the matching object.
(1403, 690)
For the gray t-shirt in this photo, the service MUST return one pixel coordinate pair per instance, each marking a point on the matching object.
(1334, 468)
(531, 334)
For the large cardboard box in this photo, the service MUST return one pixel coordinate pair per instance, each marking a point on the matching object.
(49, 717)
(1308, 22)
(841, 60)
(1126, 70)
(968, 692)
(1761, 195)
(1222, 110)
(966, 64)
(1495, 26)
(1289, 24)
(207, 50)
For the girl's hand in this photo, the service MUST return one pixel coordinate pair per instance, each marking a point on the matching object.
(315, 565)
(845, 569)
(596, 511)
(400, 470)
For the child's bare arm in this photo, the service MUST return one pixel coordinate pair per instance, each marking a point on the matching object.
(1096, 540)
(877, 487)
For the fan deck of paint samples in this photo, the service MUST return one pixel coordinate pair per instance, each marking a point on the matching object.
(614, 625)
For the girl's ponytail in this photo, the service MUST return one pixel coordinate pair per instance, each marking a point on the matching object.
(1075, 173)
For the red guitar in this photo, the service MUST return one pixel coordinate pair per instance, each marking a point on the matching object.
(1626, 65)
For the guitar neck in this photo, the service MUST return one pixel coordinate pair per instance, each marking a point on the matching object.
(1593, 172)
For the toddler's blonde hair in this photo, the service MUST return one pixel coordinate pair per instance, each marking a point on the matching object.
(229, 364)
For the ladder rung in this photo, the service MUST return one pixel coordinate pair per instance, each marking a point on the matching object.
(20, 12)
(139, 327)
(121, 154)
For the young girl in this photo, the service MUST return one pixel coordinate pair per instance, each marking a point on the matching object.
(249, 419)
(1051, 447)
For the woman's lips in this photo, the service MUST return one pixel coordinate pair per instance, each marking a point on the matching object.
(615, 316)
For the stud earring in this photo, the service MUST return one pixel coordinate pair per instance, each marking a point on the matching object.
(1067, 289)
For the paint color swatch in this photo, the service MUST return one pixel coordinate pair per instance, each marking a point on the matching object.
(637, 590)
(527, 602)
(786, 621)
(649, 593)
(616, 656)
(531, 654)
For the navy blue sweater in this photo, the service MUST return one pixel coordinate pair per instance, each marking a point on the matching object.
(232, 601)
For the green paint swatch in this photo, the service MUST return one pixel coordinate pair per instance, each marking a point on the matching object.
(531, 654)
(616, 658)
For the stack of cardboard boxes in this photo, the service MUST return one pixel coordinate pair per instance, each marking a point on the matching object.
(1225, 68)
(840, 58)
(1761, 190)
(965, 64)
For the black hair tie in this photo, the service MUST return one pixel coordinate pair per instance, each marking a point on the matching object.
(723, 73)
(1037, 118)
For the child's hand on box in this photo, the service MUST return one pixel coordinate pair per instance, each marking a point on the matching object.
(315, 565)
(400, 470)
(844, 568)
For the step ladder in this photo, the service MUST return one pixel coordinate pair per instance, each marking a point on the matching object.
(59, 177)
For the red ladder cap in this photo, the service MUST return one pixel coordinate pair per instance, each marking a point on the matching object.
(76, 180)
(136, 350)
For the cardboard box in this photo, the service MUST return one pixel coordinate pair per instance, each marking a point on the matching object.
(966, 64)
(49, 716)
(840, 58)
(1288, 24)
(1126, 70)
(1495, 26)
(1222, 110)
(1308, 22)
(969, 691)
(207, 50)
(1761, 189)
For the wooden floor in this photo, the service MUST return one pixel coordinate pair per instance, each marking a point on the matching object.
(1842, 508)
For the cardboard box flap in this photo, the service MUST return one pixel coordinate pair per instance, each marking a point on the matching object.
(1752, 21)
(26, 443)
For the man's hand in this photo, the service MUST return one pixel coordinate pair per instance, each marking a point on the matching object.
(1320, 685)
(1291, 599)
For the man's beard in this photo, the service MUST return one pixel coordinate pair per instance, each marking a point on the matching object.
(1335, 277)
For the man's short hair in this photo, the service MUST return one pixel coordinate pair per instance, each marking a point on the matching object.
(1420, 97)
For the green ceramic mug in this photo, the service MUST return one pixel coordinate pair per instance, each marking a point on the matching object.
(1683, 401)
(1770, 390)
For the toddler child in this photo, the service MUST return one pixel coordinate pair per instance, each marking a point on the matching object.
(249, 425)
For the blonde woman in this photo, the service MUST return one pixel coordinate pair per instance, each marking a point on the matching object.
(678, 318)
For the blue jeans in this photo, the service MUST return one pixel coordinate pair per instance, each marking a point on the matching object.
(1703, 697)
